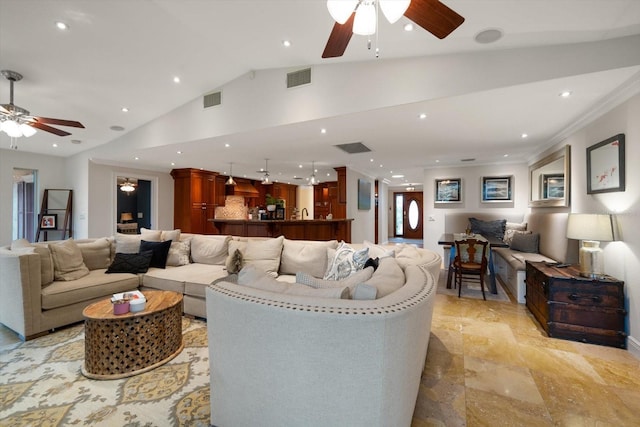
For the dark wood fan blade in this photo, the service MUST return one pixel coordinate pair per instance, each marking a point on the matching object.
(339, 38)
(59, 122)
(50, 129)
(434, 17)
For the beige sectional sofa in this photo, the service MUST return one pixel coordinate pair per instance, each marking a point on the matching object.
(33, 301)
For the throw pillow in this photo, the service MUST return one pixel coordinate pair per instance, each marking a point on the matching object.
(508, 235)
(345, 262)
(348, 282)
(388, 277)
(362, 291)
(379, 251)
(128, 243)
(264, 254)
(131, 263)
(488, 229)
(525, 243)
(305, 291)
(253, 277)
(407, 255)
(210, 249)
(151, 235)
(234, 262)
(96, 254)
(306, 256)
(67, 261)
(179, 253)
(160, 252)
(173, 235)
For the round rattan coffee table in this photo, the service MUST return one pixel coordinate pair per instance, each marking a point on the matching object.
(122, 345)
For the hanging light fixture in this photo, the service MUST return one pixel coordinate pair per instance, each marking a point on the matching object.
(341, 10)
(127, 186)
(366, 20)
(312, 179)
(230, 181)
(265, 178)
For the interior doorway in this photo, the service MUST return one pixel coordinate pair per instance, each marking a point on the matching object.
(408, 221)
(24, 195)
(133, 206)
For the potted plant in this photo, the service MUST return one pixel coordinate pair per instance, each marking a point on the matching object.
(271, 202)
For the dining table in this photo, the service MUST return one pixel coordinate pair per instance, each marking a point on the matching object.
(448, 241)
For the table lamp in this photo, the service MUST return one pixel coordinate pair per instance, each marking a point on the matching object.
(126, 216)
(591, 229)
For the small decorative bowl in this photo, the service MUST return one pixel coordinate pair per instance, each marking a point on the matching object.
(121, 307)
(137, 304)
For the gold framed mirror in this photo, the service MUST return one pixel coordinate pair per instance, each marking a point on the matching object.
(550, 180)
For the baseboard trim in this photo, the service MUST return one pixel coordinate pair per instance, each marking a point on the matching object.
(633, 345)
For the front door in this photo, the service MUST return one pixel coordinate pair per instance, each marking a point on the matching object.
(408, 215)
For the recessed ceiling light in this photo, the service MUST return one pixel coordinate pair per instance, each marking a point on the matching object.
(524, 135)
(437, 161)
(300, 166)
(408, 27)
(565, 94)
(179, 152)
(227, 145)
(54, 145)
(125, 110)
(323, 130)
(506, 155)
(173, 164)
(422, 116)
(176, 79)
(136, 158)
(328, 174)
(61, 25)
(371, 160)
(286, 43)
(397, 176)
(488, 36)
(380, 165)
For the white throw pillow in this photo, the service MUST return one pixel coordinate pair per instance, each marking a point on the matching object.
(173, 235)
(96, 254)
(387, 278)
(210, 249)
(345, 262)
(306, 256)
(128, 243)
(264, 254)
(348, 282)
(67, 261)
(378, 251)
(179, 253)
(407, 255)
(253, 277)
(151, 235)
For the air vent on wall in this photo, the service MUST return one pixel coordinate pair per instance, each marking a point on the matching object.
(467, 160)
(353, 148)
(299, 78)
(212, 99)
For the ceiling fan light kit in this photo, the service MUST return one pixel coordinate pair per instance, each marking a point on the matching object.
(341, 10)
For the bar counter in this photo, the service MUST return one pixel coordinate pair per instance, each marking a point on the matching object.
(295, 229)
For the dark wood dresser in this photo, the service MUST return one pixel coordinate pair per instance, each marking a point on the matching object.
(576, 308)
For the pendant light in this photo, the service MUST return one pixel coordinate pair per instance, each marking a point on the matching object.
(312, 179)
(265, 178)
(230, 181)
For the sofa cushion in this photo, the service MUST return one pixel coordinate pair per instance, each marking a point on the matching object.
(96, 254)
(525, 243)
(131, 263)
(42, 249)
(306, 256)
(407, 255)
(379, 251)
(178, 279)
(388, 277)
(362, 291)
(173, 235)
(94, 285)
(160, 252)
(67, 261)
(488, 229)
(179, 253)
(344, 261)
(348, 282)
(235, 261)
(210, 249)
(264, 254)
(253, 277)
(151, 235)
(128, 243)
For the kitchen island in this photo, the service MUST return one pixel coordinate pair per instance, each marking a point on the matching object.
(295, 229)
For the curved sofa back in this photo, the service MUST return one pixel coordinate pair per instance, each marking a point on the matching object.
(286, 360)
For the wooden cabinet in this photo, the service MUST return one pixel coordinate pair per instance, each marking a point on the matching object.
(194, 200)
(281, 190)
(576, 308)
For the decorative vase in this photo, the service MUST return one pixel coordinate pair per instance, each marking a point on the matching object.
(271, 208)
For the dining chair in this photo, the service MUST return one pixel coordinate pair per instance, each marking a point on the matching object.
(470, 262)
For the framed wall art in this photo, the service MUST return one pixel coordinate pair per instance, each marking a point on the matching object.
(605, 166)
(364, 194)
(552, 186)
(496, 189)
(48, 222)
(449, 190)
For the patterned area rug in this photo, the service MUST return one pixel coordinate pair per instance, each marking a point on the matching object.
(471, 290)
(41, 385)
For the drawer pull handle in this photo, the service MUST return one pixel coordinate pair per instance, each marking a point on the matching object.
(595, 298)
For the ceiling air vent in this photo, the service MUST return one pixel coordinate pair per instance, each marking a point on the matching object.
(467, 160)
(212, 99)
(353, 148)
(299, 78)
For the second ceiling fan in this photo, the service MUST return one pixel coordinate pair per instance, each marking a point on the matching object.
(432, 15)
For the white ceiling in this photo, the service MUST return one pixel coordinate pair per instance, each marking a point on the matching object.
(125, 53)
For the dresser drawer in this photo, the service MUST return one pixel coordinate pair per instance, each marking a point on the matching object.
(587, 335)
(591, 316)
(589, 294)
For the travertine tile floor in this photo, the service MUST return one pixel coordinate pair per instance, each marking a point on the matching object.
(490, 364)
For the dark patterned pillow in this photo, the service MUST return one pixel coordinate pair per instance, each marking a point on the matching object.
(130, 263)
(488, 229)
(160, 252)
(235, 262)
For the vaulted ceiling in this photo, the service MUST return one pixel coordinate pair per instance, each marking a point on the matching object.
(478, 98)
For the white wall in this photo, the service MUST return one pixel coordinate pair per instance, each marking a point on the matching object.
(362, 227)
(304, 199)
(471, 196)
(50, 175)
(383, 213)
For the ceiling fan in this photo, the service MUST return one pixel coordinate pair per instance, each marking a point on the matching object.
(16, 121)
(360, 17)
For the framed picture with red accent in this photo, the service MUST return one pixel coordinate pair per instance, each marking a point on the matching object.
(605, 166)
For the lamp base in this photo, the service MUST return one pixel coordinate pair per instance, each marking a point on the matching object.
(591, 258)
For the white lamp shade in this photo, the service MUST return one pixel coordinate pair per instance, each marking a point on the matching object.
(27, 130)
(590, 227)
(365, 22)
(394, 9)
(12, 128)
(341, 10)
